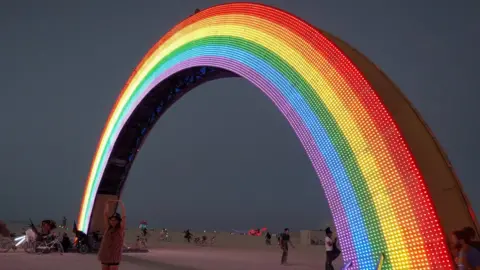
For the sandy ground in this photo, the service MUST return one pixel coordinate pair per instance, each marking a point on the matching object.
(223, 239)
(171, 257)
(230, 252)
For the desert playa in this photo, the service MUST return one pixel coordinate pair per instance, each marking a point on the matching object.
(173, 257)
(227, 253)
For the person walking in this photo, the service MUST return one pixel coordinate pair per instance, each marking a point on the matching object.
(188, 235)
(284, 243)
(111, 248)
(64, 222)
(268, 239)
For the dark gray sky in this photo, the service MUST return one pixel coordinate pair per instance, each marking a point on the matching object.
(63, 63)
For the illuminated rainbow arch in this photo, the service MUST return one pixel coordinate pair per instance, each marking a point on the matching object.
(382, 171)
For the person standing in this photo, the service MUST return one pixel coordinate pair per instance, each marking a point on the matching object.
(111, 248)
(64, 222)
(284, 243)
(66, 243)
(332, 251)
(188, 236)
(268, 239)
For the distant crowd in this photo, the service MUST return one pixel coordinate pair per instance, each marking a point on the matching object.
(466, 247)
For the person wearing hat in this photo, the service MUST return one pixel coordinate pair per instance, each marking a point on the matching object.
(111, 248)
(332, 252)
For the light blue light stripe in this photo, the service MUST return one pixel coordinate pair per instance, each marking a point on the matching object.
(311, 121)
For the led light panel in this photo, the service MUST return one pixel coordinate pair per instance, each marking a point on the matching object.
(378, 197)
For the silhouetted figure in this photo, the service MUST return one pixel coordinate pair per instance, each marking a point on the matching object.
(66, 243)
(188, 236)
(144, 232)
(196, 11)
(284, 243)
(268, 239)
(64, 222)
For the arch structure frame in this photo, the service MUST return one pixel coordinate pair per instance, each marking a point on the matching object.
(390, 187)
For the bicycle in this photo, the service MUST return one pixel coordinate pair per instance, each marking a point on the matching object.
(46, 246)
(29, 247)
(28, 243)
(141, 243)
(166, 238)
(82, 246)
(11, 243)
(213, 240)
(7, 244)
(203, 241)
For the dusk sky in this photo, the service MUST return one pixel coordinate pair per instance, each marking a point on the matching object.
(63, 64)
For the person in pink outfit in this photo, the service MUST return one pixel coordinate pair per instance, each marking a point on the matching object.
(110, 253)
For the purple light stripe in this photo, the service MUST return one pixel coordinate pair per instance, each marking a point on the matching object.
(302, 132)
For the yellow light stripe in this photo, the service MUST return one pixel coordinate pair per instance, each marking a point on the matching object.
(367, 163)
(370, 160)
